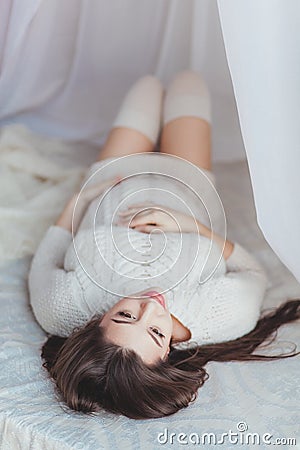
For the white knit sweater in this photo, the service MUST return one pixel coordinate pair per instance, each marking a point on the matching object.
(70, 281)
(63, 295)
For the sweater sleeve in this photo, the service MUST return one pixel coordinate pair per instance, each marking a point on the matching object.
(233, 300)
(54, 296)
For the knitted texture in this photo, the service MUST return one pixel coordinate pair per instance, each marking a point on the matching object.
(63, 295)
(70, 281)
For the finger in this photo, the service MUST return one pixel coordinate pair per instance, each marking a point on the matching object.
(133, 213)
(126, 212)
(113, 180)
(101, 186)
(137, 221)
(130, 212)
(136, 210)
(146, 219)
(92, 192)
(133, 223)
(118, 179)
(146, 228)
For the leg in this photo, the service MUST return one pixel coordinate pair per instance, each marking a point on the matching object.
(123, 141)
(137, 125)
(187, 116)
(188, 138)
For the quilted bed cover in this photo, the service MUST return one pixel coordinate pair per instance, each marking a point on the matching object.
(261, 398)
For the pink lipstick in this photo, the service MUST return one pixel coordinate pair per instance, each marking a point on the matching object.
(158, 297)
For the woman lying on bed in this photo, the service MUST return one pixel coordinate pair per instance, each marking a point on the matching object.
(131, 322)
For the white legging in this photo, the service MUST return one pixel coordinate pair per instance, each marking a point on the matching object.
(146, 107)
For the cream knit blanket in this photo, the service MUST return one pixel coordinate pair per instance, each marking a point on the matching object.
(34, 187)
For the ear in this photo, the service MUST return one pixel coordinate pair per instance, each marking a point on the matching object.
(166, 355)
(180, 332)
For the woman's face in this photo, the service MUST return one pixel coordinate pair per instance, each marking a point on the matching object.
(141, 324)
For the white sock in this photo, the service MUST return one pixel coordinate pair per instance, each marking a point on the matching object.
(187, 95)
(141, 108)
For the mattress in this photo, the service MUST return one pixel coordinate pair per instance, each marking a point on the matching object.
(260, 399)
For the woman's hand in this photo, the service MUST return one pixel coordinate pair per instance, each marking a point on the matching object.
(146, 217)
(80, 202)
(88, 194)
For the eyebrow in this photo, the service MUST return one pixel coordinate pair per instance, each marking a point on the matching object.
(130, 323)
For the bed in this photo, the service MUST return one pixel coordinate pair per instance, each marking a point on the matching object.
(261, 398)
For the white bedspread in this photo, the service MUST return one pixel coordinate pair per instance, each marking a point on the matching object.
(35, 183)
(263, 395)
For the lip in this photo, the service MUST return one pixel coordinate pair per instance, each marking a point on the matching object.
(158, 297)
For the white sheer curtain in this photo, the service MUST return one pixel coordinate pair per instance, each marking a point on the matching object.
(263, 51)
(66, 64)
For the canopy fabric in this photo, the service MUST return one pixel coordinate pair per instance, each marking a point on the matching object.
(263, 52)
(65, 65)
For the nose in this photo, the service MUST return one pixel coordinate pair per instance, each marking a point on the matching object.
(149, 308)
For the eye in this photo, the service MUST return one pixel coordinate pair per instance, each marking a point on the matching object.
(126, 314)
(156, 331)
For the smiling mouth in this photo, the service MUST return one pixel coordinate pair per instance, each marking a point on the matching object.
(158, 297)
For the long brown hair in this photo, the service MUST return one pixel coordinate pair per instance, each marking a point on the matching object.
(92, 374)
